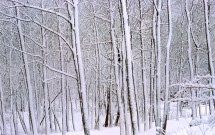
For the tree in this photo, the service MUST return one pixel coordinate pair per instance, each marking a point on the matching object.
(3, 122)
(82, 93)
(210, 59)
(158, 75)
(129, 68)
(116, 71)
(145, 92)
(190, 59)
(45, 85)
(27, 73)
(166, 98)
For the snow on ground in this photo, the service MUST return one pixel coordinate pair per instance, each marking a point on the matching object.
(103, 131)
(174, 127)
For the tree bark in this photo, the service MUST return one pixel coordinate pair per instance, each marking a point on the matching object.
(116, 71)
(193, 94)
(82, 93)
(210, 58)
(27, 73)
(166, 98)
(129, 65)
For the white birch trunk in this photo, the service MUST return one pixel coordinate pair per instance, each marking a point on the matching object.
(155, 79)
(166, 98)
(158, 98)
(129, 63)
(64, 124)
(45, 85)
(111, 99)
(209, 52)
(71, 16)
(63, 84)
(98, 76)
(125, 88)
(116, 71)
(13, 118)
(81, 72)
(145, 92)
(179, 103)
(2, 112)
(152, 80)
(190, 59)
(27, 71)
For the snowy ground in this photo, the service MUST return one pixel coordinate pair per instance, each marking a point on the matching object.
(174, 127)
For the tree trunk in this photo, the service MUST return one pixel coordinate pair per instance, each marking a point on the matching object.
(45, 85)
(129, 64)
(210, 58)
(125, 88)
(116, 71)
(3, 124)
(27, 72)
(190, 60)
(158, 91)
(82, 94)
(166, 98)
(145, 92)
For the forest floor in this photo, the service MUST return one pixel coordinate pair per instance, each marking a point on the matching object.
(174, 127)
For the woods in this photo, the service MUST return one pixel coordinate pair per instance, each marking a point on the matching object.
(85, 65)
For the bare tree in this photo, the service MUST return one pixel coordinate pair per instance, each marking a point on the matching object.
(82, 93)
(210, 59)
(116, 71)
(166, 98)
(158, 75)
(27, 73)
(190, 57)
(132, 103)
